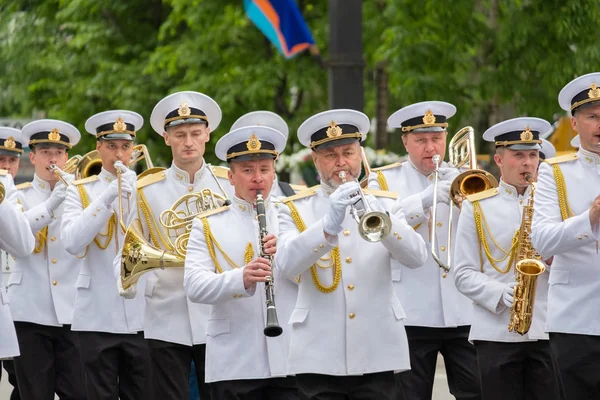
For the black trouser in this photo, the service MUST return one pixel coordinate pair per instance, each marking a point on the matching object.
(49, 362)
(460, 360)
(578, 363)
(517, 371)
(117, 366)
(9, 366)
(377, 386)
(255, 389)
(171, 366)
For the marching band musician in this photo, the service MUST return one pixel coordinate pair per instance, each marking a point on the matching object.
(566, 225)
(438, 315)
(267, 118)
(227, 270)
(347, 326)
(114, 352)
(10, 157)
(547, 150)
(511, 366)
(174, 326)
(17, 241)
(41, 287)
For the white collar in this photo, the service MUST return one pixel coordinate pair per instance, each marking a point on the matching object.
(510, 191)
(41, 184)
(183, 177)
(588, 158)
(106, 176)
(246, 208)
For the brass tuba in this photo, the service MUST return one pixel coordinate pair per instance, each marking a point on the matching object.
(528, 268)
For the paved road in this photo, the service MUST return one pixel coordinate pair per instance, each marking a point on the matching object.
(440, 389)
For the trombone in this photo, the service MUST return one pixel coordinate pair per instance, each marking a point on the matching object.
(461, 151)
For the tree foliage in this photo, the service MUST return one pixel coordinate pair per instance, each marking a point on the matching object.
(493, 59)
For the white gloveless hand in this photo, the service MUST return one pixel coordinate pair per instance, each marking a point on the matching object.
(56, 197)
(128, 293)
(339, 201)
(508, 293)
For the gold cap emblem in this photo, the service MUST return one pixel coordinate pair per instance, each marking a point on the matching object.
(429, 118)
(120, 126)
(334, 130)
(10, 143)
(54, 135)
(527, 135)
(253, 143)
(184, 109)
(594, 92)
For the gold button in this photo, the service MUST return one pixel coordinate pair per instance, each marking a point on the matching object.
(586, 235)
(320, 246)
(54, 283)
(411, 217)
(316, 250)
(97, 208)
(350, 287)
(54, 261)
(395, 233)
(417, 215)
(94, 214)
(37, 219)
(399, 237)
(346, 232)
(443, 248)
(7, 268)
(579, 238)
(444, 275)
(191, 189)
(439, 224)
(352, 315)
(53, 238)
(348, 260)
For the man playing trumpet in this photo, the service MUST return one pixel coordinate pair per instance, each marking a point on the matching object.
(438, 316)
(113, 349)
(41, 287)
(492, 234)
(347, 327)
(224, 267)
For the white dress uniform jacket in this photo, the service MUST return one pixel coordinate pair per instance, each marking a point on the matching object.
(236, 347)
(481, 282)
(98, 306)
(574, 295)
(42, 285)
(8, 264)
(428, 298)
(169, 315)
(358, 327)
(16, 238)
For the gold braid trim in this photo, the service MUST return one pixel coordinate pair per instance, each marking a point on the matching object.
(335, 254)
(144, 209)
(561, 188)
(479, 221)
(382, 181)
(41, 237)
(112, 222)
(211, 243)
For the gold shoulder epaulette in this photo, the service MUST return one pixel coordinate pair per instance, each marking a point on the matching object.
(298, 188)
(86, 180)
(3, 172)
(214, 211)
(390, 166)
(562, 159)
(483, 195)
(150, 171)
(25, 185)
(305, 193)
(381, 193)
(220, 172)
(150, 179)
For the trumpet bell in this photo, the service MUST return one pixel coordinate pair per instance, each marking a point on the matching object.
(470, 182)
(374, 226)
(139, 256)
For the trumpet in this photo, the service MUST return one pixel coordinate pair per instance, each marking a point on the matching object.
(373, 226)
(119, 173)
(272, 327)
(70, 167)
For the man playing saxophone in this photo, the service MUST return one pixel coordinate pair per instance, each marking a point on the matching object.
(566, 225)
(347, 326)
(511, 366)
(174, 326)
(224, 268)
(438, 315)
(114, 352)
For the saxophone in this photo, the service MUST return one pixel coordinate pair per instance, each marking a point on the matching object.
(528, 268)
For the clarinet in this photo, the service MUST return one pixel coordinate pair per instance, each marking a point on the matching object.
(272, 327)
